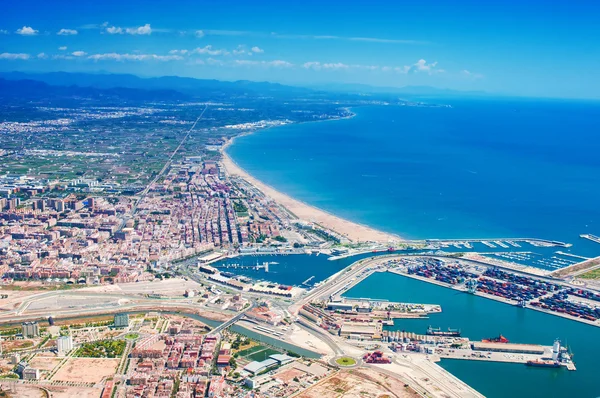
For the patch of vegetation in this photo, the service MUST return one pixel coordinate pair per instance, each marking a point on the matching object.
(593, 274)
(132, 336)
(102, 349)
(280, 238)
(345, 361)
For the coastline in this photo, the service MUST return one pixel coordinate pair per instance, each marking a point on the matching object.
(353, 231)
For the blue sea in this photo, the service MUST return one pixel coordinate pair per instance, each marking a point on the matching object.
(484, 168)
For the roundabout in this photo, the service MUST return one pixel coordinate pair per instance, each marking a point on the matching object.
(344, 362)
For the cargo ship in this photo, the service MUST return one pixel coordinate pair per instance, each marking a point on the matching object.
(438, 332)
(543, 363)
(499, 339)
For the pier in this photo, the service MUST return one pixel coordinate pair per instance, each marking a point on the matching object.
(572, 255)
(591, 237)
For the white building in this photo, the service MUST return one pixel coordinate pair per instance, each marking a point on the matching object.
(64, 344)
(31, 374)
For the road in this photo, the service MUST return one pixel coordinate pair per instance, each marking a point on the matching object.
(162, 171)
(233, 320)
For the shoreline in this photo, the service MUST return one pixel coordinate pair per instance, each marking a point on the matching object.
(353, 231)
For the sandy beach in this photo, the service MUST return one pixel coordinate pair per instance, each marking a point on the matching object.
(353, 231)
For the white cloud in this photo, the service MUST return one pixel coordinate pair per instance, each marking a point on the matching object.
(276, 63)
(312, 65)
(329, 66)
(3, 32)
(13, 56)
(199, 33)
(62, 56)
(67, 32)
(240, 50)
(42, 56)
(27, 31)
(257, 50)
(79, 53)
(181, 52)
(280, 63)
(402, 69)
(133, 57)
(113, 30)
(337, 65)
(422, 66)
(141, 30)
(209, 50)
(62, 48)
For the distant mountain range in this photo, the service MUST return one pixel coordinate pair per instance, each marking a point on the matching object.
(214, 89)
(33, 90)
(189, 86)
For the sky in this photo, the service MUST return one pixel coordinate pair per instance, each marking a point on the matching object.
(525, 48)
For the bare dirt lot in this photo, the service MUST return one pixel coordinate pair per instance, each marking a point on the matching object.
(44, 362)
(86, 370)
(79, 392)
(358, 384)
(289, 374)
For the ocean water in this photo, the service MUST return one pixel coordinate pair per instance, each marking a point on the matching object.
(485, 168)
(478, 318)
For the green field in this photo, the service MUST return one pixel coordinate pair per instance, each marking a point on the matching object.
(262, 355)
(345, 361)
(593, 274)
(250, 350)
(132, 336)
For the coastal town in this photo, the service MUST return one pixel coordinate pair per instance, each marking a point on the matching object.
(125, 281)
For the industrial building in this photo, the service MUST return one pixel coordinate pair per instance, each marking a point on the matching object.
(258, 367)
(333, 306)
(508, 347)
(360, 332)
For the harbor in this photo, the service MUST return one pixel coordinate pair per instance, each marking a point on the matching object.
(479, 318)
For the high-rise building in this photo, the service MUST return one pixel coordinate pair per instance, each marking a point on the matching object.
(121, 320)
(64, 344)
(30, 329)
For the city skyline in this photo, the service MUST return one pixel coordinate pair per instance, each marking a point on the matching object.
(516, 49)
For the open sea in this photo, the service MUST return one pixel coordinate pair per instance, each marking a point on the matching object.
(485, 168)
(481, 169)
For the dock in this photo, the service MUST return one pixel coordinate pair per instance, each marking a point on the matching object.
(572, 255)
(591, 237)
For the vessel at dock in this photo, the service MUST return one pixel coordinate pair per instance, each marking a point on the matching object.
(446, 333)
(543, 363)
(499, 339)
